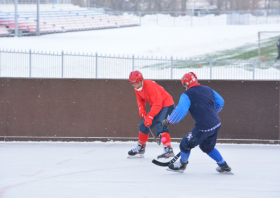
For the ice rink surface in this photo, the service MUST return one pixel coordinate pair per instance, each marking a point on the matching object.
(96, 169)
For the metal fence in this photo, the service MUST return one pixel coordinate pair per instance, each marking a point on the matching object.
(72, 65)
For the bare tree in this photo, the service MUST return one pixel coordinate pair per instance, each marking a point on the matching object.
(243, 5)
(183, 5)
(218, 3)
(136, 6)
(211, 2)
(255, 4)
(267, 4)
(158, 5)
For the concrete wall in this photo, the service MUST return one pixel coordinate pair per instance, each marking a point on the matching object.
(91, 109)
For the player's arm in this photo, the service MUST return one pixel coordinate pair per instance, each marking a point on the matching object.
(157, 102)
(219, 101)
(156, 98)
(181, 110)
(141, 105)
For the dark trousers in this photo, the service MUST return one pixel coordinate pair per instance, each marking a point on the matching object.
(164, 112)
(205, 140)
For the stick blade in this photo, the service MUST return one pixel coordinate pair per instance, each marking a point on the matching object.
(158, 163)
(166, 163)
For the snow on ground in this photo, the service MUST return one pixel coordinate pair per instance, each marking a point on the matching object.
(144, 40)
(98, 169)
(147, 40)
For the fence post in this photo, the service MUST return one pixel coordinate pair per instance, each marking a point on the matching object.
(278, 15)
(29, 63)
(175, 18)
(62, 56)
(254, 66)
(132, 62)
(16, 18)
(171, 67)
(191, 18)
(38, 18)
(157, 18)
(96, 65)
(210, 69)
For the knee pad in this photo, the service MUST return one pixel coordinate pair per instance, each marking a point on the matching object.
(184, 146)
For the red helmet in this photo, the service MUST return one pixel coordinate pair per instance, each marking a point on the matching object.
(135, 76)
(189, 79)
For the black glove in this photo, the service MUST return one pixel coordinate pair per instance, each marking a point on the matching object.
(164, 123)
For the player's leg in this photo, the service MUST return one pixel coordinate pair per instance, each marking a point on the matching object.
(164, 133)
(139, 150)
(144, 132)
(208, 147)
(194, 138)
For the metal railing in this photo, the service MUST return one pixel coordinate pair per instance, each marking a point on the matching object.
(31, 64)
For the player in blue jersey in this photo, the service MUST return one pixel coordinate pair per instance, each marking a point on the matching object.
(204, 105)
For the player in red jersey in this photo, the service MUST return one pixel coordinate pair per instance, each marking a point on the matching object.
(161, 103)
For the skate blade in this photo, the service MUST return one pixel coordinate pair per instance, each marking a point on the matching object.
(178, 171)
(227, 173)
(166, 157)
(135, 156)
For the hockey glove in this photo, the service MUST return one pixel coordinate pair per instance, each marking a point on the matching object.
(164, 123)
(142, 113)
(148, 121)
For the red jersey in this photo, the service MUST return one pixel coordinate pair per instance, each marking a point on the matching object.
(156, 96)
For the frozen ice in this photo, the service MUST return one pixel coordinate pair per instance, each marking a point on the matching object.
(98, 169)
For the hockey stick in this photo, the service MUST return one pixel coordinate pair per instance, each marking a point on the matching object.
(166, 163)
(158, 142)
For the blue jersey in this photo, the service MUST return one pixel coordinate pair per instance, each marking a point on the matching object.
(203, 104)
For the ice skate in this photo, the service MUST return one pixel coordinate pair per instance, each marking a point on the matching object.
(167, 152)
(137, 152)
(224, 168)
(177, 166)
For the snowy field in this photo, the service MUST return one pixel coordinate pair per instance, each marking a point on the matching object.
(143, 42)
(204, 20)
(149, 41)
(159, 41)
(86, 170)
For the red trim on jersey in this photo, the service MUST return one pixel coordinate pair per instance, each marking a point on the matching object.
(194, 85)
